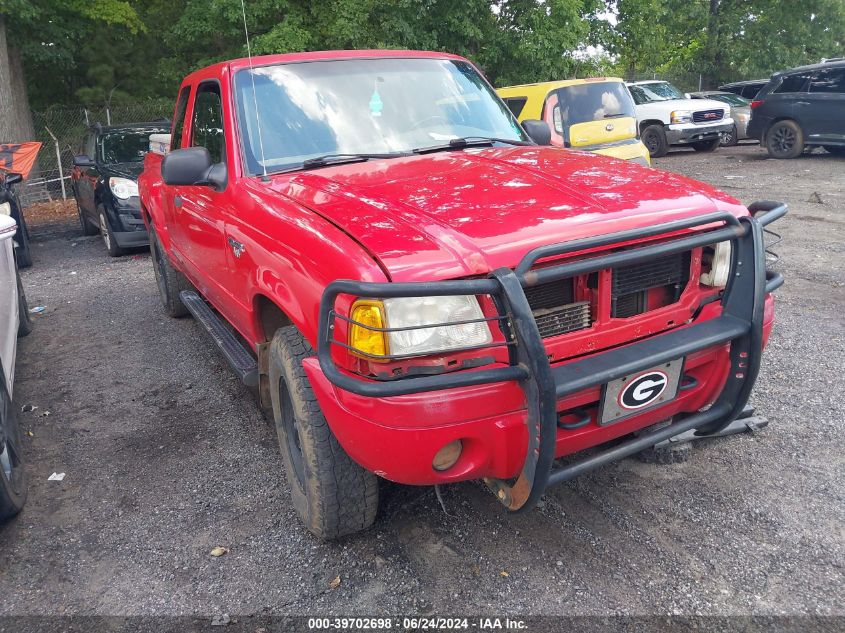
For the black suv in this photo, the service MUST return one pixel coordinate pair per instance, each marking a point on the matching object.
(799, 108)
(105, 183)
(10, 205)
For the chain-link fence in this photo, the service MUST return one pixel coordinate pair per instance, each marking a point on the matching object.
(62, 132)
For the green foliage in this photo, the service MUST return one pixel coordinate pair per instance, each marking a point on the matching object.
(722, 40)
(98, 51)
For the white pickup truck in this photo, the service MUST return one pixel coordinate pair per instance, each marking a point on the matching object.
(666, 116)
(14, 322)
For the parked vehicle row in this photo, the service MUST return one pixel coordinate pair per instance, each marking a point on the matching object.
(426, 291)
(14, 322)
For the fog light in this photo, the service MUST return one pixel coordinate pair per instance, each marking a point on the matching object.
(448, 455)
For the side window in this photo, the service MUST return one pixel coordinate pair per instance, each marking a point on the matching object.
(793, 83)
(179, 119)
(516, 104)
(829, 80)
(207, 124)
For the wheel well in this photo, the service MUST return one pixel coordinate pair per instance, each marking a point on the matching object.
(270, 317)
(778, 120)
(645, 124)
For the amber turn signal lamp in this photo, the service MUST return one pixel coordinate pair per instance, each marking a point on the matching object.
(365, 342)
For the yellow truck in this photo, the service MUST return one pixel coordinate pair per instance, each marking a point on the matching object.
(595, 114)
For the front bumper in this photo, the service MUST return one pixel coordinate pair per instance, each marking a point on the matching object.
(394, 427)
(684, 133)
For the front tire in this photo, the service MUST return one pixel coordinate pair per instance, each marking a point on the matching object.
(654, 138)
(785, 140)
(85, 225)
(170, 281)
(23, 251)
(332, 495)
(12, 473)
(107, 234)
(25, 322)
(731, 138)
(707, 146)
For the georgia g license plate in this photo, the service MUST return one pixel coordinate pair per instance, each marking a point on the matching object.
(640, 391)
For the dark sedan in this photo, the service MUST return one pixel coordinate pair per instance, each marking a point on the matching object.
(105, 183)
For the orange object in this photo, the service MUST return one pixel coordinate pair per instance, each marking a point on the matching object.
(18, 158)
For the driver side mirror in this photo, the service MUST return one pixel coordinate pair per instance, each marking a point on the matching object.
(193, 166)
(13, 179)
(82, 160)
(539, 131)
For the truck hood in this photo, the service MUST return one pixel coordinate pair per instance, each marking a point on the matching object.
(463, 213)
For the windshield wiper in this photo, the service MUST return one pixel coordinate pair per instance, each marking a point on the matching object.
(337, 159)
(468, 141)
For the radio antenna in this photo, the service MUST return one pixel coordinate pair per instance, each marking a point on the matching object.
(255, 98)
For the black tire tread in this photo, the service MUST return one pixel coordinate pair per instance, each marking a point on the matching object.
(25, 322)
(663, 147)
(174, 281)
(114, 250)
(340, 497)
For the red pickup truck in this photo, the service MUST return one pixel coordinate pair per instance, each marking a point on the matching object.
(423, 291)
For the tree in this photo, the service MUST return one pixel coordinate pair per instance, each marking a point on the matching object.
(45, 32)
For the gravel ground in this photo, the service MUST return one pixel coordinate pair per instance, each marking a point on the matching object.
(167, 456)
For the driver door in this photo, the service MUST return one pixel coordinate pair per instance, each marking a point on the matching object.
(197, 209)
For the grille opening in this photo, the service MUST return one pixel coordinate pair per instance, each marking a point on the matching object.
(707, 116)
(555, 309)
(649, 285)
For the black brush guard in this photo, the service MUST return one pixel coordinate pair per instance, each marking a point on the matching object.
(741, 324)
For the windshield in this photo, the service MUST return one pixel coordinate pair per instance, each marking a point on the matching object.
(659, 91)
(363, 106)
(730, 99)
(126, 146)
(594, 102)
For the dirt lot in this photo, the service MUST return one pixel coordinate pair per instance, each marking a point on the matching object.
(166, 456)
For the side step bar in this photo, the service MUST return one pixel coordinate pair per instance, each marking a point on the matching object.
(239, 359)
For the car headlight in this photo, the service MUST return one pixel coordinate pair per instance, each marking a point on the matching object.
(422, 314)
(123, 188)
(720, 265)
(5, 209)
(681, 116)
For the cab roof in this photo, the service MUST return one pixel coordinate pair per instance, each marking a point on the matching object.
(562, 83)
(234, 65)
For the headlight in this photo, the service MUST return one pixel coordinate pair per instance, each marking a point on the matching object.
(420, 313)
(681, 116)
(5, 209)
(720, 265)
(123, 188)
